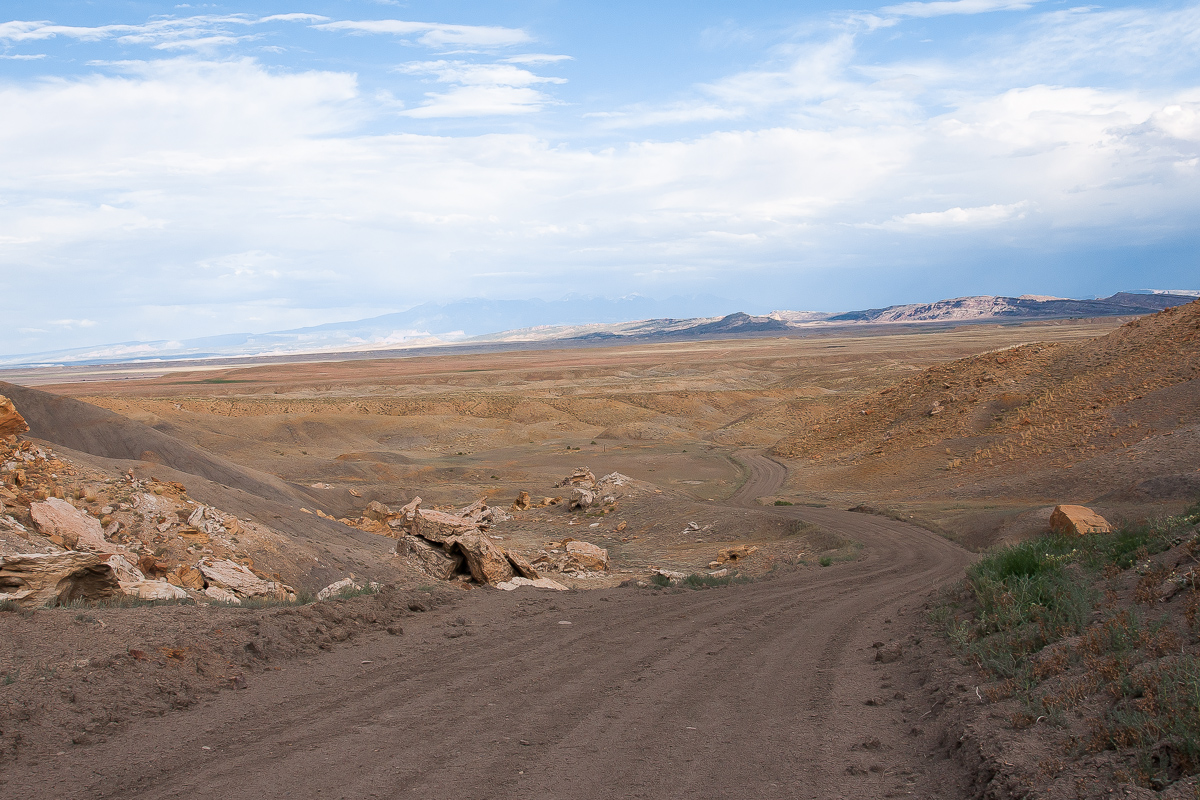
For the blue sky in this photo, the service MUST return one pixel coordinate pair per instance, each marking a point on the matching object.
(178, 170)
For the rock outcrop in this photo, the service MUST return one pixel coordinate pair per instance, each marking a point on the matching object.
(338, 588)
(582, 476)
(36, 580)
(69, 527)
(588, 556)
(434, 560)
(11, 422)
(438, 526)
(1077, 521)
(486, 561)
(573, 556)
(227, 574)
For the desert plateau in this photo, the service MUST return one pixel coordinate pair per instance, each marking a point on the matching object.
(756, 567)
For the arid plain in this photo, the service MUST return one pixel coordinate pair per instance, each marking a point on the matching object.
(844, 481)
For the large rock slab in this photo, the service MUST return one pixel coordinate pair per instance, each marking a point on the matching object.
(1077, 521)
(77, 529)
(233, 576)
(434, 560)
(539, 583)
(36, 580)
(438, 526)
(11, 422)
(154, 590)
(486, 561)
(337, 588)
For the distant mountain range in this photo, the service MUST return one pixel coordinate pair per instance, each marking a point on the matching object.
(498, 322)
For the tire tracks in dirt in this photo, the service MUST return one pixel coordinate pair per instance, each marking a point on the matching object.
(763, 690)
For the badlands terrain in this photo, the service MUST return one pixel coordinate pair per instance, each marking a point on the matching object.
(747, 537)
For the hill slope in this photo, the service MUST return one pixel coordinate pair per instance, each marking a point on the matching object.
(1116, 417)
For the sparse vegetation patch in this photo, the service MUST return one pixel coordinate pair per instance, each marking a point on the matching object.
(1095, 636)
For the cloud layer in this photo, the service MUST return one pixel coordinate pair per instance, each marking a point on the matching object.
(196, 189)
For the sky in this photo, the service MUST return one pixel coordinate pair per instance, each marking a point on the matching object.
(179, 170)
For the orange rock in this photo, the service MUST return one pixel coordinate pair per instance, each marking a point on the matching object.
(11, 422)
(521, 565)
(1077, 520)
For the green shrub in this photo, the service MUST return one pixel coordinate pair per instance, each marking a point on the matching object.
(700, 580)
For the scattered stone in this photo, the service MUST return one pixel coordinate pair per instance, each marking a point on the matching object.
(337, 588)
(78, 530)
(670, 575)
(1077, 521)
(580, 477)
(521, 565)
(581, 498)
(378, 511)
(587, 555)
(522, 503)
(36, 580)
(737, 553)
(889, 653)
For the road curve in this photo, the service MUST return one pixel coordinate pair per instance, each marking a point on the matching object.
(763, 690)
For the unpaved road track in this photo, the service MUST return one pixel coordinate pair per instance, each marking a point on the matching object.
(762, 690)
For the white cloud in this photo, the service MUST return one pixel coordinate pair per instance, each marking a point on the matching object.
(188, 192)
(940, 8)
(479, 101)
(435, 34)
(293, 18)
(994, 214)
(33, 57)
(478, 89)
(196, 32)
(535, 59)
(468, 74)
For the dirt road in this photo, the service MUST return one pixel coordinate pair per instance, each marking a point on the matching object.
(770, 689)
